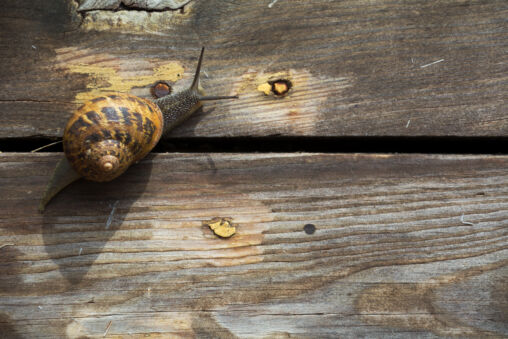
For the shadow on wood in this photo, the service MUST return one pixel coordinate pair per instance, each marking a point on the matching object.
(82, 200)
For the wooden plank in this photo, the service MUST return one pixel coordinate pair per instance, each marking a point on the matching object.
(404, 245)
(358, 68)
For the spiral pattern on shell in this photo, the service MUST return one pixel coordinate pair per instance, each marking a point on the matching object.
(109, 133)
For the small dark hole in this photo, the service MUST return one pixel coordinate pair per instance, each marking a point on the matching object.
(309, 228)
(161, 89)
(280, 87)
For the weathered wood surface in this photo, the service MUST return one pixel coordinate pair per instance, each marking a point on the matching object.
(404, 246)
(358, 68)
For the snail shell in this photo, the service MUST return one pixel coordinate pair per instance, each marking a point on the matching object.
(109, 133)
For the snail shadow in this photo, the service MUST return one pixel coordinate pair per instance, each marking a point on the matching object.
(80, 220)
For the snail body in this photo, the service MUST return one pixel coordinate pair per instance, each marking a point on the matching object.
(109, 133)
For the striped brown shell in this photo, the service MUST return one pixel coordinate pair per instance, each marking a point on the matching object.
(109, 133)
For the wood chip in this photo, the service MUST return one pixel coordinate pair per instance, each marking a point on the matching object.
(223, 227)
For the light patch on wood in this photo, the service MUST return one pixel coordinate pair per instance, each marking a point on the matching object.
(75, 330)
(299, 111)
(110, 73)
(135, 22)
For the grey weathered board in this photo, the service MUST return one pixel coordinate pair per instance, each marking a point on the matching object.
(358, 68)
(405, 246)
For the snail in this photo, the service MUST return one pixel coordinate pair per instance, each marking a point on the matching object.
(109, 133)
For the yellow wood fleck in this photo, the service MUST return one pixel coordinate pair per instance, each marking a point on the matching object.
(265, 88)
(223, 227)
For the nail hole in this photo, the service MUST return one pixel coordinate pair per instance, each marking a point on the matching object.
(309, 228)
(161, 89)
(281, 86)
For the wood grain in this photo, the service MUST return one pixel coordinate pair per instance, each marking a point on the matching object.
(358, 68)
(404, 245)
